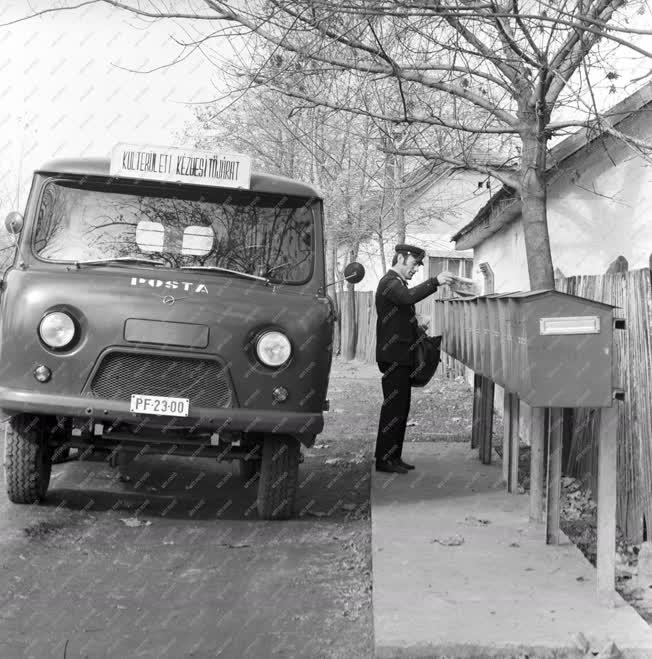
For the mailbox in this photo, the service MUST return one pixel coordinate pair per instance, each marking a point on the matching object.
(553, 349)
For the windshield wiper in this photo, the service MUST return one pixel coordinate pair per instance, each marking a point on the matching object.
(216, 268)
(282, 265)
(120, 259)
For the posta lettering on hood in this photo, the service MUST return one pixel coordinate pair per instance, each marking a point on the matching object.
(188, 286)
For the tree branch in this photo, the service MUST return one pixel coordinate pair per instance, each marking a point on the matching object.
(505, 175)
(519, 20)
(507, 70)
(571, 54)
(510, 42)
(410, 119)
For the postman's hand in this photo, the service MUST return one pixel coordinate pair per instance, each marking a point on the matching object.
(446, 277)
(423, 322)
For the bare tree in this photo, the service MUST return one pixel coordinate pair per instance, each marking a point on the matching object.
(338, 154)
(507, 67)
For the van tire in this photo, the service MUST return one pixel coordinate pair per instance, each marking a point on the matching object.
(279, 476)
(28, 459)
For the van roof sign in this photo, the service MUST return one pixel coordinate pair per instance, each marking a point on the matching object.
(164, 163)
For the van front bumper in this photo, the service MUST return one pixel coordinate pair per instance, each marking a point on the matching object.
(215, 419)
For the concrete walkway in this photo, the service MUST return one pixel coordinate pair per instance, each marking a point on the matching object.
(502, 592)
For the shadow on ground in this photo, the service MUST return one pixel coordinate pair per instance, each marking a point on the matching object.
(204, 489)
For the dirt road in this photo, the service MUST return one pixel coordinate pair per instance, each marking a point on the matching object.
(177, 565)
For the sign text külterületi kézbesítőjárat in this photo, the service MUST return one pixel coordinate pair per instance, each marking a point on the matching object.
(163, 163)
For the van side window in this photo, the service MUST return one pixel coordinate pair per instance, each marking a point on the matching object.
(7, 250)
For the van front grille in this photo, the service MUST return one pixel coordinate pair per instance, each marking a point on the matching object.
(203, 381)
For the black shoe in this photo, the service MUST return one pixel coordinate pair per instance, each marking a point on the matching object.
(390, 467)
(405, 465)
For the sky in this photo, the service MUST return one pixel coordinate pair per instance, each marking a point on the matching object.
(70, 84)
(66, 90)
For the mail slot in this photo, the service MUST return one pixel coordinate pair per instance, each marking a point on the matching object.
(551, 348)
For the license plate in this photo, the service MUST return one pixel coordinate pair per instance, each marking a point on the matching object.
(162, 405)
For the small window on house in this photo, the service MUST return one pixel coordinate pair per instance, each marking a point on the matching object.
(197, 241)
(150, 236)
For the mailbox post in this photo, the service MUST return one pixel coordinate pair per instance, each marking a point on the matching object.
(552, 350)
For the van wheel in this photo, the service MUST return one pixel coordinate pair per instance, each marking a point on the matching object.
(279, 475)
(28, 459)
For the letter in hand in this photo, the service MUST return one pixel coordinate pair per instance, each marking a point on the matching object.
(446, 277)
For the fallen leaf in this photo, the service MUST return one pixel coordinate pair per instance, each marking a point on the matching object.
(474, 520)
(349, 506)
(450, 541)
(581, 642)
(134, 521)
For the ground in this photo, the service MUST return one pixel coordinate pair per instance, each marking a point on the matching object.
(176, 564)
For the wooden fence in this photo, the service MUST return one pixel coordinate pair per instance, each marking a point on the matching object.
(365, 349)
(632, 292)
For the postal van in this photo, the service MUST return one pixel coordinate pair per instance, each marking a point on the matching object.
(169, 301)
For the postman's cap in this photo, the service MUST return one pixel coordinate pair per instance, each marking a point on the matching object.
(417, 252)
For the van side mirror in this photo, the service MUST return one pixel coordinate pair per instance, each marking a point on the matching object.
(354, 272)
(14, 223)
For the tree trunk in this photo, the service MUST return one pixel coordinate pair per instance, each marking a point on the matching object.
(331, 291)
(381, 244)
(349, 327)
(350, 337)
(533, 210)
(399, 215)
(337, 288)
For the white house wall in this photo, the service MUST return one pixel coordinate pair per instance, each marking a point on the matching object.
(598, 211)
(504, 251)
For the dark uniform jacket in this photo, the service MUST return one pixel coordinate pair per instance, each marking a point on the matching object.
(397, 325)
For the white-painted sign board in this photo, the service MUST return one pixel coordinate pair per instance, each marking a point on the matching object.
(176, 165)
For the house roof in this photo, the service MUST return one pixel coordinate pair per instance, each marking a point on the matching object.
(449, 253)
(100, 167)
(505, 206)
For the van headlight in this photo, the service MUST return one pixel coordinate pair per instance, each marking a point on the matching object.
(57, 329)
(273, 348)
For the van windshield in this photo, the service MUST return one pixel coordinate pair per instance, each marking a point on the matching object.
(254, 233)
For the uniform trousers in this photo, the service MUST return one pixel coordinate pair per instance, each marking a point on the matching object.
(397, 392)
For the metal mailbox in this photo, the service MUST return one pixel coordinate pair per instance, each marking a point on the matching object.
(551, 348)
